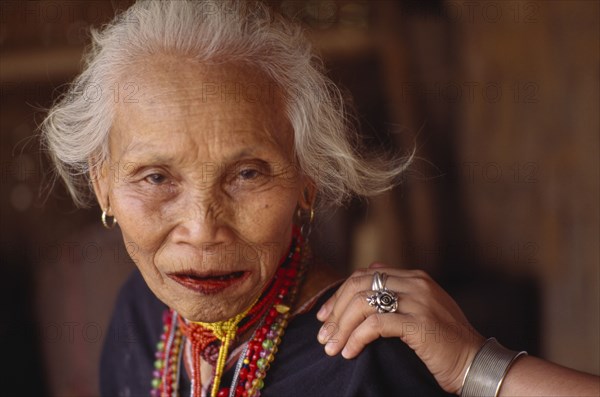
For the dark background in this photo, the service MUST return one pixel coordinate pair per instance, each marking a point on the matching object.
(500, 98)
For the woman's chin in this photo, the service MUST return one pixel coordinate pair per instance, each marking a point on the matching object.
(208, 313)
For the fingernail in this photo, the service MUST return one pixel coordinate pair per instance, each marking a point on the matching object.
(345, 352)
(329, 349)
(322, 334)
(321, 312)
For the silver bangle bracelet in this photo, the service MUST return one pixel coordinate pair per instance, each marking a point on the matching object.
(487, 370)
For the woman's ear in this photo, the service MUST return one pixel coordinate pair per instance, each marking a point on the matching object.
(308, 194)
(99, 178)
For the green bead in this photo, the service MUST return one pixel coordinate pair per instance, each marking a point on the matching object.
(267, 344)
(160, 345)
(261, 363)
(258, 384)
(155, 383)
(158, 364)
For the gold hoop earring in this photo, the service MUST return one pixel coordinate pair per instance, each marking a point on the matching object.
(306, 227)
(104, 222)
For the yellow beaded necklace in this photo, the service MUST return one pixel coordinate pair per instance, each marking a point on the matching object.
(225, 331)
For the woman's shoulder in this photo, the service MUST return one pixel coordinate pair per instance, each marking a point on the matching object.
(387, 366)
(129, 344)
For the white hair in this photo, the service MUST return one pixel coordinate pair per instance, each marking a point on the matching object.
(327, 145)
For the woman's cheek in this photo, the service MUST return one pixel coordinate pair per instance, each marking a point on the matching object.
(266, 214)
(140, 222)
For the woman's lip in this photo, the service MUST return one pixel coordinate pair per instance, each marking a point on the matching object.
(208, 283)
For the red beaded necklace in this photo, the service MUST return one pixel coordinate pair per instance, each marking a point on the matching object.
(270, 312)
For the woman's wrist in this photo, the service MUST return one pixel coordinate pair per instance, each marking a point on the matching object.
(487, 370)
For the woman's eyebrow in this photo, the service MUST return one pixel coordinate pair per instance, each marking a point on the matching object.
(142, 153)
(146, 152)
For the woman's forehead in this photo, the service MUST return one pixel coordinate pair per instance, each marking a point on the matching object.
(176, 78)
(206, 106)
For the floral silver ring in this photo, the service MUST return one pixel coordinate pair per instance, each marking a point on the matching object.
(384, 300)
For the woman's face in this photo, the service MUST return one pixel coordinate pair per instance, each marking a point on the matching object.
(203, 183)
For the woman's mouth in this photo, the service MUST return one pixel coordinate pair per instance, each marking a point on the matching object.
(209, 283)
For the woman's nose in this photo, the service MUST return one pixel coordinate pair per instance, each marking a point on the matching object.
(200, 223)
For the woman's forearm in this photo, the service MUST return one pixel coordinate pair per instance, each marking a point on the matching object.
(531, 376)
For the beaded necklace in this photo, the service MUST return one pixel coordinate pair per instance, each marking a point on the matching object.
(271, 312)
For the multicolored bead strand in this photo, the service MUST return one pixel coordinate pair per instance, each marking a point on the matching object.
(261, 349)
(224, 331)
(271, 313)
(168, 352)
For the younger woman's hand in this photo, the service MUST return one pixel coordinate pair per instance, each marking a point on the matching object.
(427, 320)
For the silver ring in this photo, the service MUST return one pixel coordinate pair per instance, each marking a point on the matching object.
(384, 300)
(378, 283)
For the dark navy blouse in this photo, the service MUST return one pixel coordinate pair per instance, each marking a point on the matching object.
(387, 367)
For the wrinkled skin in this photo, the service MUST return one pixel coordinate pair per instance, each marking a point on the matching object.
(202, 178)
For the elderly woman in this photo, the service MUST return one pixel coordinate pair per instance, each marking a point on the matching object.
(212, 138)
(223, 139)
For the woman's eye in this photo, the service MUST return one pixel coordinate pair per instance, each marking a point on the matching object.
(249, 174)
(156, 179)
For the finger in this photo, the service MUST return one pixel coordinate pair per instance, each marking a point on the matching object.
(340, 290)
(362, 281)
(325, 309)
(375, 326)
(417, 273)
(398, 280)
(339, 301)
(335, 333)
